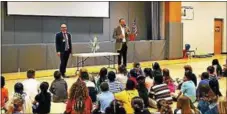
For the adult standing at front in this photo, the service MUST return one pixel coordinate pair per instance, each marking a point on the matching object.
(63, 48)
(121, 34)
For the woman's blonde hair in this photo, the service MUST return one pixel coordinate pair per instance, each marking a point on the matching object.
(222, 106)
(82, 70)
(78, 90)
(183, 103)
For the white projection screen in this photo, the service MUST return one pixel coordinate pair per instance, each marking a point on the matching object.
(75, 9)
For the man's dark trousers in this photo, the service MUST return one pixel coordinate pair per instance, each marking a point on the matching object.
(64, 60)
(123, 53)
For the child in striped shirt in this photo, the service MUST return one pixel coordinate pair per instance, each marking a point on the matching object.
(159, 91)
(114, 85)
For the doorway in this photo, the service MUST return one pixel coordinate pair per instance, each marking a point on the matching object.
(218, 36)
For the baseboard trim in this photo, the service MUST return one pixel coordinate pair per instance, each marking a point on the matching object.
(211, 53)
(175, 58)
(223, 52)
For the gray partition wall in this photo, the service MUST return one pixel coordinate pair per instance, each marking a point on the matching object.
(28, 41)
(9, 58)
(142, 51)
(43, 56)
(174, 39)
(158, 49)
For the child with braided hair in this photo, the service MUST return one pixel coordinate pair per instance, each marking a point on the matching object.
(163, 107)
(138, 106)
(16, 106)
(42, 102)
(79, 101)
(20, 102)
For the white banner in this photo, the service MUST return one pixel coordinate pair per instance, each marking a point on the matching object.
(77, 9)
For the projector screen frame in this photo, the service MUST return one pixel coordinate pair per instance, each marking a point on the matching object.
(55, 15)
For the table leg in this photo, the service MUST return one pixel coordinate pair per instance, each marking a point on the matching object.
(77, 65)
(109, 62)
(114, 62)
(82, 62)
(78, 62)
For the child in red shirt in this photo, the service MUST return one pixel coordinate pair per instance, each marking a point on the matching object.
(4, 94)
(79, 101)
(132, 76)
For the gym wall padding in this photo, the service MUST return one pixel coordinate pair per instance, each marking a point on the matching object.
(173, 30)
(158, 49)
(43, 56)
(142, 51)
(174, 38)
(53, 61)
(9, 58)
(131, 52)
(32, 57)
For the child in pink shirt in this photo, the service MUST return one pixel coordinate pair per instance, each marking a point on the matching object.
(168, 80)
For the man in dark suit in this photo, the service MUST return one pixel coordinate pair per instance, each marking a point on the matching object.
(63, 47)
(121, 34)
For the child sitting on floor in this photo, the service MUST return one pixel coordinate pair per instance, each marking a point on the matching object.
(217, 67)
(16, 106)
(59, 88)
(20, 102)
(42, 101)
(168, 80)
(114, 85)
(149, 80)
(92, 90)
(138, 69)
(143, 92)
(138, 106)
(163, 107)
(4, 95)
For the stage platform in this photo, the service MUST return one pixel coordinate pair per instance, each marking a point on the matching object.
(199, 65)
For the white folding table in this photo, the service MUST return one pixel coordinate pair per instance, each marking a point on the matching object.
(85, 56)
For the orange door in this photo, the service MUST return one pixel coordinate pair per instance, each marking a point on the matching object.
(218, 33)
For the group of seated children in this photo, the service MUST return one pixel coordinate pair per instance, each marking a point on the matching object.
(133, 92)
